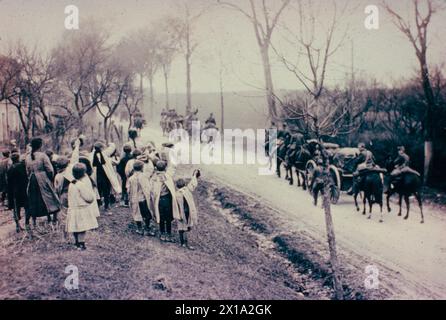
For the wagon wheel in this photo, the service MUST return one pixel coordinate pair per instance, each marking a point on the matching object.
(335, 184)
(309, 172)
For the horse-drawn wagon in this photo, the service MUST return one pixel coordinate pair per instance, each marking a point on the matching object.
(341, 168)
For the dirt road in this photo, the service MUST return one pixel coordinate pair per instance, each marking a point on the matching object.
(410, 257)
(119, 264)
(258, 238)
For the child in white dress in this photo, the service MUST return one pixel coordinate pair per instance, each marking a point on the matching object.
(81, 215)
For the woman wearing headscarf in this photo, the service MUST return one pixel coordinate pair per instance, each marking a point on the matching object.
(104, 174)
(42, 198)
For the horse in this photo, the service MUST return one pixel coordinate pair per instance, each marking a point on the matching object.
(407, 184)
(298, 160)
(281, 151)
(372, 186)
(164, 123)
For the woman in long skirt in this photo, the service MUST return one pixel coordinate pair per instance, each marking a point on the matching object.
(42, 198)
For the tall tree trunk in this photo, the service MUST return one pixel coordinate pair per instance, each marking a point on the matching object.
(141, 88)
(222, 99)
(188, 71)
(130, 121)
(152, 98)
(337, 282)
(105, 130)
(429, 121)
(222, 103)
(188, 85)
(166, 87)
(269, 88)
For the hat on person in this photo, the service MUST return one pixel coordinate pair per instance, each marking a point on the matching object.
(15, 157)
(136, 153)
(62, 162)
(181, 183)
(127, 148)
(79, 170)
(138, 165)
(99, 145)
(161, 165)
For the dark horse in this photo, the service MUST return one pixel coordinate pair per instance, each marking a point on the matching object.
(281, 152)
(372, 186)
(405, 185)
(298, 159)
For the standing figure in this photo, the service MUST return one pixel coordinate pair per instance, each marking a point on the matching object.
(104, 174)
(17, 197)
(42, 198)
(5, 163)
(317, 182)
(139, 192)
(187, 207)
(164, 206)
(61, 183)
(81, 216)
(121, 171)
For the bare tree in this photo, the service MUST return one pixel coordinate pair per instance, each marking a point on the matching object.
(10, 71)
(131, 100)
(168, 48)
(27, 83)
(315, 47)
(113, 98)
(264, 23)
(418, 37)
(184, 27)
(130, 48)
(80, 60)
(150, 46)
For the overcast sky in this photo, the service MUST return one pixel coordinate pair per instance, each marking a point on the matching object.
(383, 54)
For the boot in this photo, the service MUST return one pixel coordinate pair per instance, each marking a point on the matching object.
(170, 238)
(18, 228)
(76, 241)
(139, 229)
(188, 246)
(182, 240)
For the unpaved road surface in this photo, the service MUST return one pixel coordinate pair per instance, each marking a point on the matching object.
(257, 238)
(227, 263)
(410, 257)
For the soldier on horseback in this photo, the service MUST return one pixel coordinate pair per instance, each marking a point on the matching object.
(365, 161)
(284, 134)
(401, 164)
(211, 120)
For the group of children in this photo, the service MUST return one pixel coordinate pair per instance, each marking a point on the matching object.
(86, 181)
